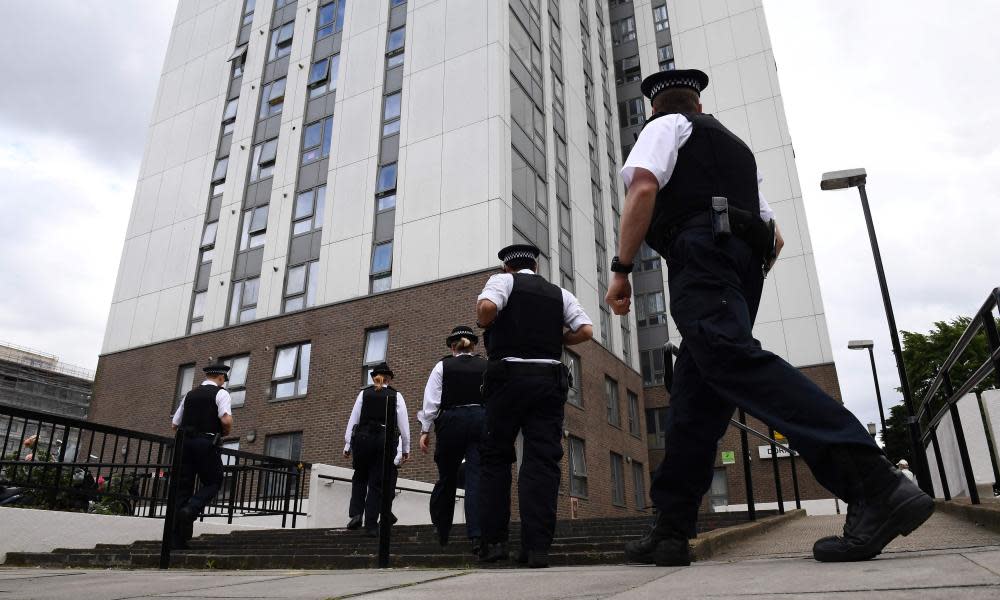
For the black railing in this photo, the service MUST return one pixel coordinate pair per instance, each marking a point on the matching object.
(69, 464)
(944, 395)
(669, 351)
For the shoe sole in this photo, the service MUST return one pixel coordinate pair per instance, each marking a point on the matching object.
(903, 521)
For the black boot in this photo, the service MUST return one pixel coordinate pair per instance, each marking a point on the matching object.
(538, 559)
(492, 553)
(876, 519)
(664, 546)
(477, 545)
(355, 522)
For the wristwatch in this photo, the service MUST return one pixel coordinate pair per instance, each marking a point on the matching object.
(618, 267)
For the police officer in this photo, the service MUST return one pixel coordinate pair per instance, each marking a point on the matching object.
(693, 195)
(453, 404)
(527, 321)
(206, 415)
(365, 443)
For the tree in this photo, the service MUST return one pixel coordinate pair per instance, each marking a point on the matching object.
(923, 355)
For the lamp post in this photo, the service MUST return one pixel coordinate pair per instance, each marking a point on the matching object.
(868, 345)
(838, 180)
(871, 429)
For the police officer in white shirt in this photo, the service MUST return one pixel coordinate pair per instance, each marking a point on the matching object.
(453, 405)
(693, 194)
(364, 445)
(527, 322)
(205, 414)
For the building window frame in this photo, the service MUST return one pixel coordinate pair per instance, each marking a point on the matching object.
(652, 367)
(575, 394)
(243, 300)
(185, 383)
(617, 463)
(634, 418)
(639, 485)
(613, 402)
(281, 41)
(304, 296)
(316, 146)
(374, 354)
(323, 76)
(272, 98)
(239, 366)
(661, 21)
(306, 219)
(656, 427)
(577, 451)
(290, 375)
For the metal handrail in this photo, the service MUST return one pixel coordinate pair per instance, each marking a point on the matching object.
(398, 487)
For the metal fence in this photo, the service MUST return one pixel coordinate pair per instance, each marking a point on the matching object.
(944, 394)
(61, 463)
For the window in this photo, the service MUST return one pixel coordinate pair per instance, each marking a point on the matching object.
(272, 98)
(262, 162)
(650, 309)
(381, 264)
(330, 19)
(577, 468)
(651, 365)
(623, 30)
(248, 12)
(316, 139)
(394, 61)
(634, 427)
(237, 385)
(300, 286)
(631, 112)
(617, 480)
(291, 371)
(287, 446)
(229, 116)
(221, 166)
(308, 211)
(254, 228)
(660, 18)
(386, 178)
(627, 69)
(649, 259)
(281, 41)
(656, 428)
(394, 42)
(198, 306)
(243, 304)
(572, 362)
(185, 382)
(639, 484)
(376, 348)
(281, 3)
(208, 236)
(390, 114)
(611, 395)
(384, 203)
(667, 66)
(323, 76)
(718, 494)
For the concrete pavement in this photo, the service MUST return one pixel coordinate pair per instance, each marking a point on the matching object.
(947, 558)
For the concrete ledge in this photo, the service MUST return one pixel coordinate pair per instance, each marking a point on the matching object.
(986, 515)
(710, 543)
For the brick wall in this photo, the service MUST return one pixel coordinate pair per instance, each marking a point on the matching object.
(135, 388)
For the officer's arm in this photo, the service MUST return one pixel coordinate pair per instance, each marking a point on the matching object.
(639, 203)
(486, 311)
(227, 424)
(584, 333)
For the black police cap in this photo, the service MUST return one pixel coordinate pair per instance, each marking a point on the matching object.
(516, 251)
(462, 331)
(664, 80)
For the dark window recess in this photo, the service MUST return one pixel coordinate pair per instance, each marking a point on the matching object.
(614, 408)
(281, 41)
(316, 139)
(272, 98)
(660, 21)
(323, 76)
(572, 362)
(617, 480)
(651, 365)
(656, 428)
(577, 467)
(627, 70)
(330, 19)
(650, 309)
(634, 427)
(291, 371)
(639, 484)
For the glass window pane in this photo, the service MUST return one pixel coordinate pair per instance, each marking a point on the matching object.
(327, 14)
(268, 151)
(386, 178)
(334, 69)
(234, 304)
(312, 282)
(394, 61)
(381, 284)
(230, 112)
(238, 370)
(238, 398)
(300, 227)
(376, 343)
(250, 288)
(257, 240)
(277, 91)
(285, 33)
(313, 135)
(296, 303)
(285, 390)
(391, 128)
(259, 220)
(382, 258)
(220, 169)
(208, 237)
(392, 104)
(296, 280)
(198, 306)
(395, 41)
(248, 315)
(304, 205)
(304, 368)
(320, 204)
(327, 136)
(386, 202)
(319, 72)
(284, 363)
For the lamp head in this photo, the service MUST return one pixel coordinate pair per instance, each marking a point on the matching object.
(860, 344)
(838, 180)
(871, 429)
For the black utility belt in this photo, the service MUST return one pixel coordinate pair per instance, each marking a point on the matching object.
(506, 368)
(745, 225)
(445, 408)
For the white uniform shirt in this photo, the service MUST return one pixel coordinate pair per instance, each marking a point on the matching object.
(223, 403)
(498, 289)
(656, 151)
(909, 474)
(432, 396)
(402, 425)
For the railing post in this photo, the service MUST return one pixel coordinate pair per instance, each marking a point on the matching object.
(288, 496)
(747, 475)
(795, 477)
(940, 465)
(388, 490)
(168, 518)
(963, 450)
(232, 488)
(988, 429)
(777, 472)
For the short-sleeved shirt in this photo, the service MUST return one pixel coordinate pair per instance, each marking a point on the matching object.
(402, 425)
(223, 403)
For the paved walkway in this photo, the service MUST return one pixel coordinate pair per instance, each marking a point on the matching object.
(947, 558)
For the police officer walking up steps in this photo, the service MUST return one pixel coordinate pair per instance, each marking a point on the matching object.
(453, 404)
(693, 195)
(365, 441)
(206, 415)
(527, 322)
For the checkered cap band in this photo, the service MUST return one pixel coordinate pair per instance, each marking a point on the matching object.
(462, 331)
(691, 83)
(518, 254)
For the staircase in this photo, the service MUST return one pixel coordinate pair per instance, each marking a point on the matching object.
(577, 542)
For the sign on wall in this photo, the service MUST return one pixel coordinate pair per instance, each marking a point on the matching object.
(728, 457)
(765, 451)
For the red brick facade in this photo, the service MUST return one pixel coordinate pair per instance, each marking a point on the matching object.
(135, 388)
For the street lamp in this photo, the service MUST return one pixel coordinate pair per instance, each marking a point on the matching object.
(838, 180)
(868, 345)
(871, 429)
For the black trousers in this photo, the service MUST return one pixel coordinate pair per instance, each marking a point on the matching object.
(532, 405)
(366, 483)
(459, 432)
(715, 291)
(201, 459)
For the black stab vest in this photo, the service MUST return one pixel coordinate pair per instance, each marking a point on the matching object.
(373, 404)
(713, 162)
(531, 324)
(462, 376)
(201, 414)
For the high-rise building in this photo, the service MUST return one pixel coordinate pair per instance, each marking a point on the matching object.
(326, 183)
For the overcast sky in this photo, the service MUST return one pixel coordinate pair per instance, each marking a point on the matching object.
(905, 88)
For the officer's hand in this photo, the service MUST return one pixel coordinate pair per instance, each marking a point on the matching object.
(406, 457)
(619, 296)
(347, 454)
(779, 242)
(425, 442)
